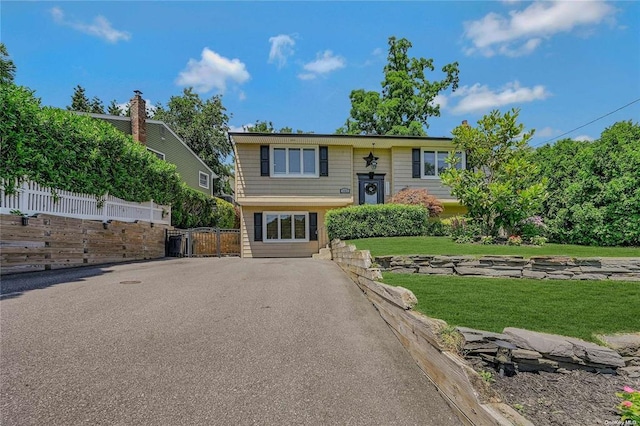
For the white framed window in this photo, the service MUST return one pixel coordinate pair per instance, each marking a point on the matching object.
(285, 227)
(203, 179)
(433, 162)
(158, 154)
(294, 161)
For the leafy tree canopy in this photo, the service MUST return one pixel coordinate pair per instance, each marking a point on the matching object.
(267, 127)
(7, 67)
(202, 124)
(498, 185)
(407, 99)
(594, 187)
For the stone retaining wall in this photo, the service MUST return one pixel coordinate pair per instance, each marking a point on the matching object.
(540, 267)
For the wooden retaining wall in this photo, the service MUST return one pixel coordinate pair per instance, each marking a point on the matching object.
(54, 242)
(461, 386)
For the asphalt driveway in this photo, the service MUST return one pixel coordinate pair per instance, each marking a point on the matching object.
(204, 341)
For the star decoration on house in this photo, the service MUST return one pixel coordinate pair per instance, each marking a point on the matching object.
(370, 159)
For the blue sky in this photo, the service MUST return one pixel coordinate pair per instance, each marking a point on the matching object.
(294, 63)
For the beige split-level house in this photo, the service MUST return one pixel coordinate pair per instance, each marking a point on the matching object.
(285, 183)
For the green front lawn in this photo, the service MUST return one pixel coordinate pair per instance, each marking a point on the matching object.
(446, 246)
(577, 308)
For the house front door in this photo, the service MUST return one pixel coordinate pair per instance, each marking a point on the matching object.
(370, 188)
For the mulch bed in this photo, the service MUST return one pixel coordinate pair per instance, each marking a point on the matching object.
(574, 398)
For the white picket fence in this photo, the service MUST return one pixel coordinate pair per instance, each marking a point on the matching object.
(32, 198)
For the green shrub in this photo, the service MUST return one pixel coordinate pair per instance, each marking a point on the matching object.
(382, 220)
(464, 230)
(438, 228)
(193, 209)
(487, 240)
(538, 240)
(594, 196)
(530, 227)
(67, 151)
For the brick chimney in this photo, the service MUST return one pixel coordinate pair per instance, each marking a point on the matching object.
(138, 112)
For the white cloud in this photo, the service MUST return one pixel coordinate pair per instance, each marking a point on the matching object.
(523, 30)
(441, 100)
(325, 63)
(281, 49)
(100, 27)
(242, 96)
(212, 71)
(480, 98)
(238, 129)
(378, 51)
(306, 76)
(583, 138)
(546, 132)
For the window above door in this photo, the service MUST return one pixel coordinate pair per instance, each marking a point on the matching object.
(294, 161)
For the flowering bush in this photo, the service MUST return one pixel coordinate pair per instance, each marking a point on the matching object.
(630, 406)
(514, 240)
(418, 197)
(531, 227)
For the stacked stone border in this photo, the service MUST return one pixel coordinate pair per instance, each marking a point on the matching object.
(54, 242)
(461, 386)
(538, 267)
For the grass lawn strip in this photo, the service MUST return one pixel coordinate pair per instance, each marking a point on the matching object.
(577, 308)
(446, 246)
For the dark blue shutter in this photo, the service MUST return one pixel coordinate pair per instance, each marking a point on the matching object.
(313, 226)
(264, 160)
(257, 227)
(415, 163)
(324, 161)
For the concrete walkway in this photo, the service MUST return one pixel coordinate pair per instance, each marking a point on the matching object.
(201, 342)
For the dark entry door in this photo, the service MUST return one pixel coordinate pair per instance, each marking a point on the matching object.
(370, 188)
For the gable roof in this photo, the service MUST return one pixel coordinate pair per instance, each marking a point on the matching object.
(124, 125)
(357, 141)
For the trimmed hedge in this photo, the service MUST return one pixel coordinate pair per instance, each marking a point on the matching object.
(193, 209)
(72, 152)
(381, 220)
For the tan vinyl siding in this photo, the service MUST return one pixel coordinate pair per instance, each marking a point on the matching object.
(402, 174)
(359, 166)
(250, 248)
(249, 183)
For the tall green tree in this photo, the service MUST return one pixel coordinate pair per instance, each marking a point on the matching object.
(7, 67)
(114, 108)
(407, 99)
(267, 127)
(96, 106)
(202, 124)
(594, 187)
(498, 185)
(79, 100)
